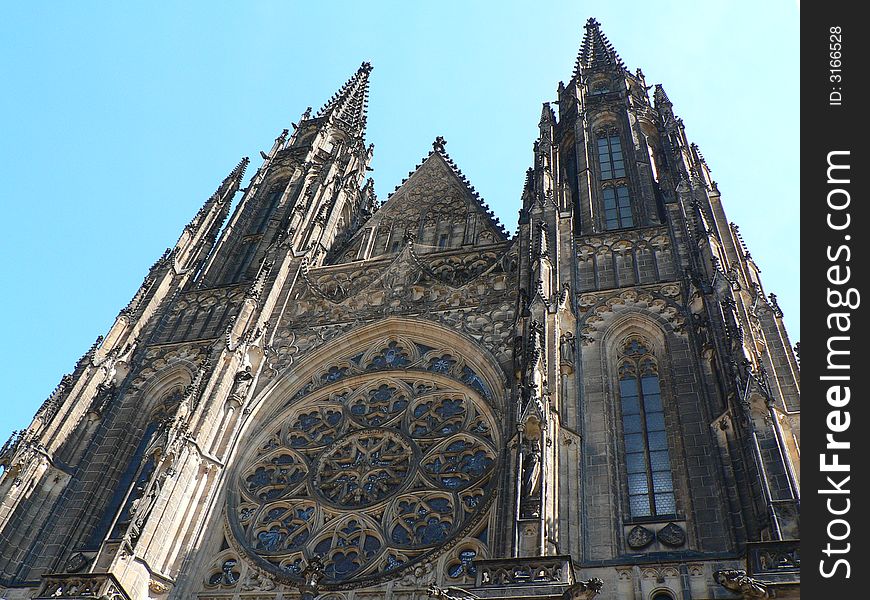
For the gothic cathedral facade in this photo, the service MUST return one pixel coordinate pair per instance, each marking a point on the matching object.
(322, 395)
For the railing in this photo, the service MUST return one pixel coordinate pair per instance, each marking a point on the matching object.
(87, 585)
(765, 558)
(543, 570)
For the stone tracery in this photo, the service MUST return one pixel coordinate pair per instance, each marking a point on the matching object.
(382, 460)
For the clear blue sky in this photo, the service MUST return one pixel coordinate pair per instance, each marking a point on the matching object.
(119, 118)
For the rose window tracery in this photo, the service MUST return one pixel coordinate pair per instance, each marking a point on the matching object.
(363, 468)
(379, 466)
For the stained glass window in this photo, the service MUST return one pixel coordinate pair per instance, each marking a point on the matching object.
(268, 208)
(610, 156)
(375, 469)
(617, 207)
(647, 459)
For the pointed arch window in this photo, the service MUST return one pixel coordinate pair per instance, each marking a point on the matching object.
(617, 207)
(269, 207)
(647, 457)
(610, 157)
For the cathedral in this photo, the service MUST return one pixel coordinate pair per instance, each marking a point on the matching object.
(319, 394)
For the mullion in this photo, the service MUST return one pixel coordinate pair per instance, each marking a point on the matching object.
(643, 424)
(611, 161)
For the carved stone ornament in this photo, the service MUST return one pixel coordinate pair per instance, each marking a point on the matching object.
(450, 593)
(639, 537)
(584, 590)
(422, 575)
(376, 471)
(672, 535)
(311, 576)
(255, 582)
(77, 562)
(737, 581)
(157, 587)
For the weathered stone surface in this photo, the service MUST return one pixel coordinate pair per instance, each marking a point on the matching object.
(323, 396)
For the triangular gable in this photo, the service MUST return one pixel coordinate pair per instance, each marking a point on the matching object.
(436, 206)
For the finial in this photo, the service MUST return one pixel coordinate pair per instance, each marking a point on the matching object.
(439, 143)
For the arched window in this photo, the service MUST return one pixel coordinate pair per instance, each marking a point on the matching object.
(269, 206)
(610, 155)
(662, 596)
(648, 463)
(617, 207)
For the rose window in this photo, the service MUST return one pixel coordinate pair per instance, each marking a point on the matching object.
(363, 468)
(372, 471)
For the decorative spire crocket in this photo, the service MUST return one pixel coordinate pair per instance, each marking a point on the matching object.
(597, 53)
(349, 104)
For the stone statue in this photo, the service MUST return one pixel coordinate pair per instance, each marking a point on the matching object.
(142, 506)
(739, 582)
(309, 587)
(531, 470)
(530, 483)
(566, 347)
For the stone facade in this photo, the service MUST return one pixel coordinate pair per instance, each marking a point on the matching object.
(325, 396)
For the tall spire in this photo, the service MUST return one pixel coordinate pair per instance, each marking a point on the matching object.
(597, 52)
(348, 105)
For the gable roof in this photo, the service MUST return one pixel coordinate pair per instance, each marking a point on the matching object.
(435, 201)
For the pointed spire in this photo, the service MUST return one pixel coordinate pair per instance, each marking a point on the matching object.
(661, 98)
(237, 174)
(349, 104)
(548, 117)
(597, 52)
(227, 189)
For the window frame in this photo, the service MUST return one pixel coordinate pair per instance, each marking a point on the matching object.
(634, 367)
(621, 206)
(608, 136)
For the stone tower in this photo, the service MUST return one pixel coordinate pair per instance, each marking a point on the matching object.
(331, 397)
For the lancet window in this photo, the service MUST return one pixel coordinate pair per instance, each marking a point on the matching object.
(647, 456)
(617, 207)
(610, 157)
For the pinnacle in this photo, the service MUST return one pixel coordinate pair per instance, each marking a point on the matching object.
(660, 97)
(234, 178)
(547, 115)
(596, 52)
(239, 171)
(348, 105)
